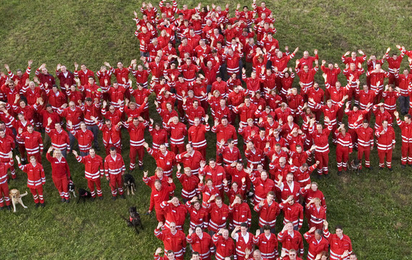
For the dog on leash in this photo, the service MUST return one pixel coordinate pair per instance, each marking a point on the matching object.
(134, 219)
(84, 194)
(15, 197)
(72, 188)
(129, 184)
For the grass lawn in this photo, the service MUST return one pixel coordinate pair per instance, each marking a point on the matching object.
(375, 208)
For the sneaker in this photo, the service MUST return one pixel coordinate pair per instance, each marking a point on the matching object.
(122, 196)
(92, 199)
(37, 205)
(380, 168)
(1, 208)
(100, 197)
(114, 198)
(8, 208)
(63, 200)
(319, 176)
(390, 169)
(339, 173)
(68, 201)
(141, 167)
(42, 205)
(403, 166)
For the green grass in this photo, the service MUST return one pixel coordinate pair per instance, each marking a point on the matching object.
(374, 208)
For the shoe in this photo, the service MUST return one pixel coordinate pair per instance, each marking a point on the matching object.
(403, 166)
(68, 201)
(42, 205)
(370, 168)
(100, 197)
(339, 173)
(37, 205)
(380, 168)
(122, 196)
(114, 198)
(410, 165)
(8, 208)
(319, 176)
(1, 208)
(141, 167)
(63, 200)
(327, 175)
(390, 169)
(92, 199)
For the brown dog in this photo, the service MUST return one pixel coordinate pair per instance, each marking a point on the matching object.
(15, 197)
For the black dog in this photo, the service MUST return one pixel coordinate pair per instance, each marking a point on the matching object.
(129, 184)
(72, 188)
(134, 219)
(84, 194)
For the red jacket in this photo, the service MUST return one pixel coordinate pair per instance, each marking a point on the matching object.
(114, 166)
(262, 187)
(242, 244)
(196, 135)
(241, 213)
(289, 242)
(33, 143)
(110, 135)
(158, 137)
(174, 214)
(84, 139)
(230, 155)
(385, 138)
(75, 116)
(224, 132)
(292, 213)
(204, 245)
(60, 168)
(197, 217)
(93, 166)
(217, 216)
(189, 185)
(175, 242)
(164, 161)
(158, 196)
(59, 140)
(136, 133)
(338, 245)
(224, 247)
(4, 168)
(267, 246)
(317, 216)
(192, 161)
(315, 247)
(267, 213)
(177, 133)
(216, 174)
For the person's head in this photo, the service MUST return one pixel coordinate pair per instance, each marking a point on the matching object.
(113, 151)
(247, 101)
(352, 66)
(353, 257)
(159, 172)
(225, 234)
(270, 196)
(339, 231)
(282, 161)
(243, 227)
(199, 231)
(230, 143)
(92, 152)
(58, 126)
(135, 121)
(196, 121)
(170, 255)
(189, 148)
(317, 202)
(175, 201)
(90, 80)
(158, 184)
(292, 254)
(289, 226)
(108, 122)
(314, 186)
(264, 175)
(385, 123)
(407, 118)
(33, 160)
(257, 255)
(318, 234)
(289, 177)
(319, 128)
(83, 126)
(382, 108)
(30, 128)
(212, 162)
(57, 153)
(266, 230)
(218, 201)
(2, 133)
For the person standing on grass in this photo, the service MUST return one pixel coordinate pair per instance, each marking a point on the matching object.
(60, 172)
(114, 169)
(35, 179)
(385, 137)
(173, 239)
(4, 187)
(201, 242)
(94, 170)
(406, 128)
(168, 255)
(340, 244)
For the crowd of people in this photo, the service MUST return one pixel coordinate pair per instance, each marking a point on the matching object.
(195, 60)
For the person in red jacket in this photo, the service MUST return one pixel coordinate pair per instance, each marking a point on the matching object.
(317, 242)
(340, 244)
(268, 210)
(321, 140)
(230, 153)
(4, 187)
(7, 144)
(84, 137)
(74, 114)
(168, 255)
(165, 159)
(317, 213)
(240, 212)
(225, 247)
(196, 135)
(111, 134)
(94, 170)
(190, 158)
(136, 128)
(244, 240)
(114, 170)
(178, 131)
(35, 179)
(201, 242)
(60, 173)
(343, 148)
(198, 214)
(173, 239)
(218, 213)
(189, 183)
(174, 212)
(365, 143)
(385, 138)
(32, 141)
(291, 239)
(406, 132)
(293, 212)
(161, 191)
(263, 185)
(59, 138)
(267, 243)
(159, 135)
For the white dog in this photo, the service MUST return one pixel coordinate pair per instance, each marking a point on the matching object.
(15, 197)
